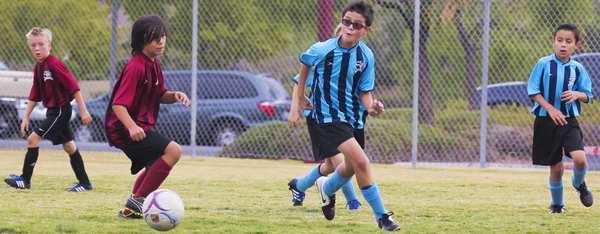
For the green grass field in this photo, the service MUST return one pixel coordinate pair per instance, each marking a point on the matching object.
(250, 196)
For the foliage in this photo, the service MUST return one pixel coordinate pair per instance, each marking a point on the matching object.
(81, 34)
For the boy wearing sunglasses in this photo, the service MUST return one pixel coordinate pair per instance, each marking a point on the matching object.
(344, 76)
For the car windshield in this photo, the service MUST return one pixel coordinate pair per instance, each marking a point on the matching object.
(275, 88)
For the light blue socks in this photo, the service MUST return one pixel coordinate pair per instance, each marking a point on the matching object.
(556, 190)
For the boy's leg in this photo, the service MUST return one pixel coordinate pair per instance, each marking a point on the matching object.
(556, 188)
(578, 179)
(361, 166)
(159, 170)
(24, 180)
(138, 181)
(77, 165)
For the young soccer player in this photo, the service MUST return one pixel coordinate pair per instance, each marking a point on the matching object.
(298, 186)
(55, 87)
(133, 111)
(558, 85)
(343, 70)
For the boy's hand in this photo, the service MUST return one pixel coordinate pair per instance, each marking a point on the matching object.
(305, 103)
(136, 133)
(557, 116)
(378, 108)
(294, 117)
(181, 97)
(570, 96)
(85, 117)
(24, 126)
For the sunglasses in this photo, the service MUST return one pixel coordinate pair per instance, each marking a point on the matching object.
(357, 26)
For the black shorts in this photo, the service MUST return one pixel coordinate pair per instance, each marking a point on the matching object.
(325, 138)
(56, 125)
(550, 139)
(143, 153)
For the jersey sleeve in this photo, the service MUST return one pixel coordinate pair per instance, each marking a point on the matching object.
(313, 55)
(125, 94)
(65, 78)
(585, 83)
(34, 93)
(308, 81)
(367, 79)
(533, 85)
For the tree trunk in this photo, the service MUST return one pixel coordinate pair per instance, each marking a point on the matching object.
(325, 19)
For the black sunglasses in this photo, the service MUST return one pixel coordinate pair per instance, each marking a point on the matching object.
(347, 23)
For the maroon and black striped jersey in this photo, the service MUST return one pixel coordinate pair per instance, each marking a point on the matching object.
(138, 89)
(53, 84)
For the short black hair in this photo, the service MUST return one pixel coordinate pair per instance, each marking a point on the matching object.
(146, 29)
(362, 8)
(572, 28)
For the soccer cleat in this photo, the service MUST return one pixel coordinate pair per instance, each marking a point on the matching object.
(353, 205)
(297, 196)
(327, 202)
(386, 223)
(557, 209)
(585, 195)
(135, 204)
(17, 182)
(129, 214)
(77, 187)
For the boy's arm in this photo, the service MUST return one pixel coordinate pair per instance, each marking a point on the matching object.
(302, 99)
(374, 107)
(294, 115)
(135, 132)
(83, 113)
(170, 97)
(555, 115)
(25, 122)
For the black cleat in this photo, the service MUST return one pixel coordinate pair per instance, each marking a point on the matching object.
(585, 195)
(135, 204)
(77, 187)
(386, 223)
(297, 196)
(327, 202)
(129, 214)
(557, 209)
(17, 182)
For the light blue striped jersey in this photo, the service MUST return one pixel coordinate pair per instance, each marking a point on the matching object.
(339, 75)
(551, 77)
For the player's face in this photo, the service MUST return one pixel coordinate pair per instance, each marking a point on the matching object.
(155, 48)
(564, 44)
(39, 47)
(353, 27)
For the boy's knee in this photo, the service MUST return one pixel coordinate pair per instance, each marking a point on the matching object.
(33, 140)
(174, 150)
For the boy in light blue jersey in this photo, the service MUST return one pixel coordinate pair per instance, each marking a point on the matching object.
(558, 85)
(343, 70)
(298, 186)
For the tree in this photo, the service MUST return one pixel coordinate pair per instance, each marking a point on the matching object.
(228, 31)
(81, 34)
(426, 105)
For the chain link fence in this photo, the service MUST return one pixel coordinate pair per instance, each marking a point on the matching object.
(248, 54)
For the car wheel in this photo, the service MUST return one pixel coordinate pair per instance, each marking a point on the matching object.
(226, 131)
(9, 123)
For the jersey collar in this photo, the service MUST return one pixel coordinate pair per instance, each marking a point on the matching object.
(344, 49)
(561, 62)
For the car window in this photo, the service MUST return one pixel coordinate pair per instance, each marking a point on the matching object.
(274, 88)
(3, 66)
(179, 82)
(225, 86)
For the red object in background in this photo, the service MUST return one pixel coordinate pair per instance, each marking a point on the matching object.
(311, 161)
(267, 107)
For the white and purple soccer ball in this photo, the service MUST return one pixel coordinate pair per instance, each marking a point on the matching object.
(163, 210)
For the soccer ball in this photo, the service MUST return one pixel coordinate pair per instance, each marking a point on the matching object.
(163, 210)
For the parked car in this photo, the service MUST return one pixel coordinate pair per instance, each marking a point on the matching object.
(516, 92)
(229, 102)
(507, 93)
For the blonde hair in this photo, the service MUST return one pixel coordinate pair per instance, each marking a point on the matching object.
(44, 32)
(338, 29)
